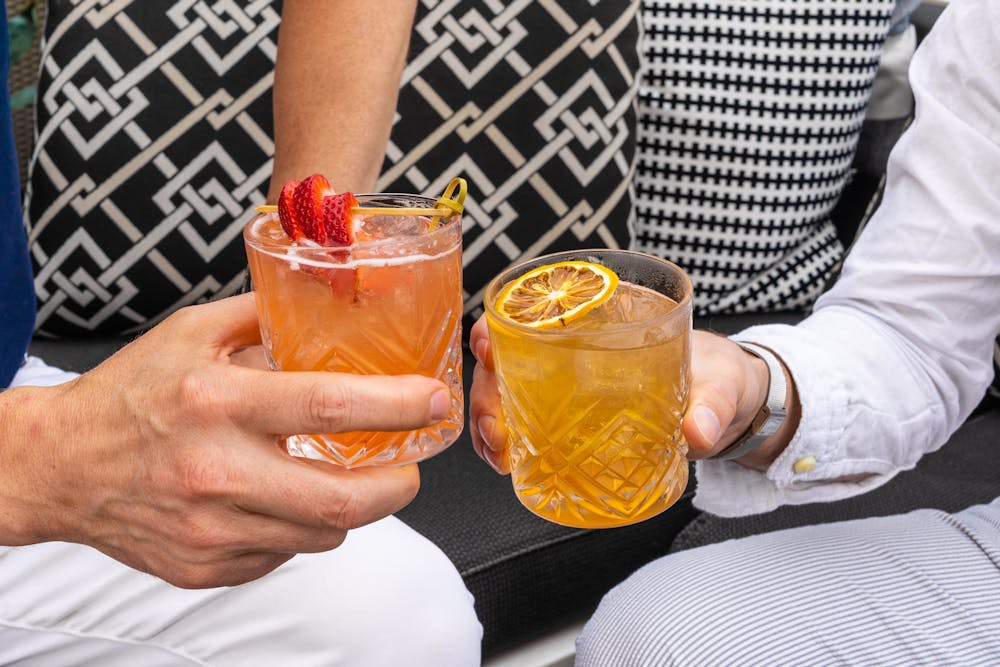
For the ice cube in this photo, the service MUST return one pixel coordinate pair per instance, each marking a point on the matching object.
(629, 303)
(379, 227)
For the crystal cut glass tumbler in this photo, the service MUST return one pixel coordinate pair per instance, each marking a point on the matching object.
(391, 303)
(594, 408)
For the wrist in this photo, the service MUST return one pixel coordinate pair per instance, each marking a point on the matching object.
(20, 521)
(40, 466)
(770, 449)
(756, 394)
(765, 402)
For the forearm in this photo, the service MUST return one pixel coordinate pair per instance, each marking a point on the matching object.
(868, 410)
(336, 83)
(899, 352)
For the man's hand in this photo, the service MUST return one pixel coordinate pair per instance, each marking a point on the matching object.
(728, 388)
(167, 456)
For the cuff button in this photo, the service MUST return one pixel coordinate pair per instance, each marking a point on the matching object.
(804, 465)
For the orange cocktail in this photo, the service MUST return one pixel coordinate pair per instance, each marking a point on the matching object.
(593, 401)
(390, 303)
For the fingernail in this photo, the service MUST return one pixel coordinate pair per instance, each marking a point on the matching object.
(488, 455)
(479, 352)
(707, 422)
(486, 425)
(440, 404)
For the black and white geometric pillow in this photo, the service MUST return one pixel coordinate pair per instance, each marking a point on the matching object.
(534, 103)
(749, 116)
(154, 141)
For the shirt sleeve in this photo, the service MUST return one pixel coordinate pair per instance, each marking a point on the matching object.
(898, 353)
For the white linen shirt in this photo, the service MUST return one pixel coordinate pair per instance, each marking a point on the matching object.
(898, 353)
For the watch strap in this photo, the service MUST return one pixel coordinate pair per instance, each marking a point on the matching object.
(771, 415)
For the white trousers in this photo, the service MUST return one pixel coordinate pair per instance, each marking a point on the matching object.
(386, 597)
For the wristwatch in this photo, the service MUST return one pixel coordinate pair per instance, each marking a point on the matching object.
(772, 414)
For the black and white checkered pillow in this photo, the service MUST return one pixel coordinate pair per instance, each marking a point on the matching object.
(750, 114)
(154, 126)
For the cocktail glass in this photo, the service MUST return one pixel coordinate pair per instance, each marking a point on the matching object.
(594, 408)
(390, 303)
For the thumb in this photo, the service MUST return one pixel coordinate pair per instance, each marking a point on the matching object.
(719, 385)
(709, 417)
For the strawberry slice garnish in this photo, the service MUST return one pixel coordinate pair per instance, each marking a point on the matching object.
(311, 209)
(308, 205)
(287, 216)
(336, 218)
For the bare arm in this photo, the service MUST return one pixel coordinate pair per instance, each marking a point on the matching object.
(335, 89)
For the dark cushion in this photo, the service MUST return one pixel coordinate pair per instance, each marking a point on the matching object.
(534, 104)
(77, 355)
(154, 125)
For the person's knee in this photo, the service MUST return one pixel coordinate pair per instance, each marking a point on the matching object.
(401, 603)
(613, 635)
(435, 621)
(387, 597)
(442, 628)
(641, 621)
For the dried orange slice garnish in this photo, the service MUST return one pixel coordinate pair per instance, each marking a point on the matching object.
(556, 294)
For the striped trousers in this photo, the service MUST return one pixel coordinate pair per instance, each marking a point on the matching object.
(916, 589)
